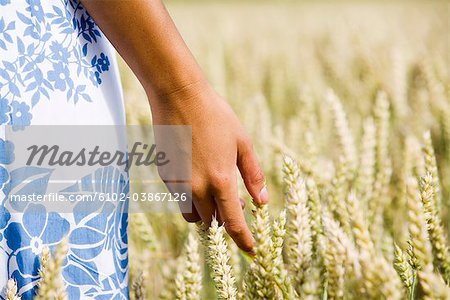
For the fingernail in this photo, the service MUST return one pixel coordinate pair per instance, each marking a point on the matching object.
(264, 195)
(250, 253)
(242, 203)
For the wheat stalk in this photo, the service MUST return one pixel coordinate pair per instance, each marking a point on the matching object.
(44, 259)
(334, 259)
(404, 269)
(11, 290)
(192, 274)
(338, 193)
(138, 287)
(264, 270)
(435, 230)
(431, 167)
(180, 285)
(366, 174)
(417, 226)
(343, 133)
(432, 285)
(170, 273)
(280, 274)
(222, 273)
(142, 229)
(298, 238)
(315, 209)
(51, 285)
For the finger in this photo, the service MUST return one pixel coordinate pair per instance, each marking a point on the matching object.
(219, 218)
(252, 173)
(229, 207)
(217, 213)
(204, 205)
(187, 208)
(191, 217)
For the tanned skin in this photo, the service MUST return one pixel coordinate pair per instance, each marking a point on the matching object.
(145, 36)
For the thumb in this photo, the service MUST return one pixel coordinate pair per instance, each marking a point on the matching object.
(252, 173)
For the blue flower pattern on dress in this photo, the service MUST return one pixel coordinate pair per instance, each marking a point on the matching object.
(92, 235)
(4, 111)
(102, 64)
(60, 76)
(6, 152)
(20, 115)
(106, 230)
(38, 46)
(59, 52)
(4, 177)
(36, 230)
(35, 9)
(58, 58)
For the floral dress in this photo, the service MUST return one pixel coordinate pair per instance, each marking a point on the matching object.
(57, 68)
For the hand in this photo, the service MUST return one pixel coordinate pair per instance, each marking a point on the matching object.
(219, 144)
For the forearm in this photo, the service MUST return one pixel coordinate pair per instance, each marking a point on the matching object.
(146, 37)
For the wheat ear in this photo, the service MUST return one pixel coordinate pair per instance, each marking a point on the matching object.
(138, 287)
(334, 259)
(52, 285)
(417, 226)
(404, 268)
(264, 277)
(366, 174)
(44, 259)
(343, 133)
(222, 272)
(298, 238)
(431, 167)
(143, 230)
(435, 230)
(192, 275)
(11, 290)
(281, 277)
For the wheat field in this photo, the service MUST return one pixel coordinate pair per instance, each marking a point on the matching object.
(348, 104)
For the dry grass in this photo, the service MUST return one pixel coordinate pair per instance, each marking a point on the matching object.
(347, 91)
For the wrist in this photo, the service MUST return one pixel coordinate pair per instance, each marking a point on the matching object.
(182, 94)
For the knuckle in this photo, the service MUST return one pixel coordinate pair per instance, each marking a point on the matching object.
(234, 228)
(247, 142)
(220, 181)
(258, 177)
(197, 186)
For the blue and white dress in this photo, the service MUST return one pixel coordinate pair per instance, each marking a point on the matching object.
(57, 68)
